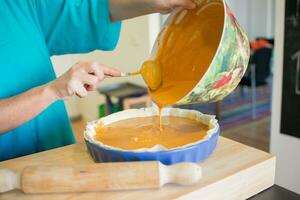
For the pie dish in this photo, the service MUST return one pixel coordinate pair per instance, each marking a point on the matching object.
(192, 152)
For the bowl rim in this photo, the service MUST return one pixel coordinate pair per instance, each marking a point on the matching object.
(90, 128)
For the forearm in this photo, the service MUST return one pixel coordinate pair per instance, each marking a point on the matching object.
(125, 9)
(17, 110)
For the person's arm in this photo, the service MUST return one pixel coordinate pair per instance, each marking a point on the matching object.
(80, 79)
(17, 110)
(125, 9)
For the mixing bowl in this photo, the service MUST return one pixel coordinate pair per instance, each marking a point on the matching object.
(224, 66)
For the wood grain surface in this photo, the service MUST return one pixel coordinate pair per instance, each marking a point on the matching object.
(234, 171)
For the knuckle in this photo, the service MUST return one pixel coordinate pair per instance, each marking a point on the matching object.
(95, 80)
(94, 66)
(101, 76)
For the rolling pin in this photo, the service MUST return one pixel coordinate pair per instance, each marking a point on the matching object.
(98, 177)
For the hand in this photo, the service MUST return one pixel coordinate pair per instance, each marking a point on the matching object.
(80, 79)
(166, 6)
(126, 9)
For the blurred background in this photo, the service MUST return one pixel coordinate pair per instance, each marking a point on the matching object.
(263, 112)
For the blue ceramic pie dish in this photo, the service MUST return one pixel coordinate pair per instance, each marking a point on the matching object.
(193, 153)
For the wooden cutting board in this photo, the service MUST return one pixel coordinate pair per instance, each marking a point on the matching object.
(234, 171)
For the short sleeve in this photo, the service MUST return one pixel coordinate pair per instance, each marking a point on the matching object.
(77, 26)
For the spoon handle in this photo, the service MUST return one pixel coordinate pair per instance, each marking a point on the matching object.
(124, 74)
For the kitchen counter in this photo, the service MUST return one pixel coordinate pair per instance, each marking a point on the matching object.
(276, 193)
(234, 171)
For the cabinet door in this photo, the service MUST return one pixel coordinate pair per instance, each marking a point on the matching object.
(290, 111)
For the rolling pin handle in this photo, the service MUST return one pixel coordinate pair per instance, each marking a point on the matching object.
(182, 173)
(8, 180)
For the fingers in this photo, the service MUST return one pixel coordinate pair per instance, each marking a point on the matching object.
(80, 90)
(89, 79)
(90, 82)
(84, 77)
(95, 68)
(84, 84)
(187, 4)
(101, 70)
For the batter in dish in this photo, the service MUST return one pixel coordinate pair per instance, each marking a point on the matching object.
(144, 132)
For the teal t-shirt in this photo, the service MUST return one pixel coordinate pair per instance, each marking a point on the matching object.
(31, 31)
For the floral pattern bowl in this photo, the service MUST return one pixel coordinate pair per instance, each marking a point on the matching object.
(229, 63)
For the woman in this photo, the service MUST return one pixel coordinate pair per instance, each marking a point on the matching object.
(32, 114)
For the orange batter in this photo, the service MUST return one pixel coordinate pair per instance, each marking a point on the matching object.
(187, 50)
(144, 132)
